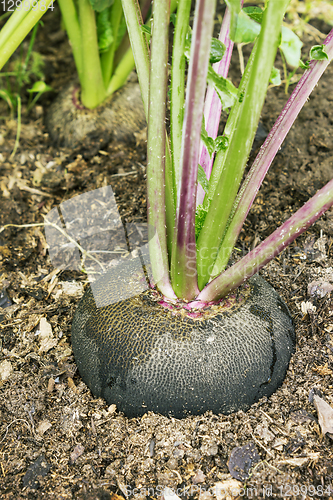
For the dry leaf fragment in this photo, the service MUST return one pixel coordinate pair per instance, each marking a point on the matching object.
(47, 344)
(299, 461)
(319, 288)
(169, 494)
(199, 477)
(5, 370)
(325, 414)
(64, 353)
(71, 385)
(294, 462)
(205, 495)
(112, 409)
(77, 452)
(47, 341)
(45, 328)
(72, 288)
(307, 307)
(264, 433)
(44, 426)
(228, 489)
(322, 370)
(114, 496)
(122, 486)
(3, 188)
(42, 244)
(33, 321)
(50, 385)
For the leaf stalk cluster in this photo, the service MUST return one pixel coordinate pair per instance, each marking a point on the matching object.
(205, 222)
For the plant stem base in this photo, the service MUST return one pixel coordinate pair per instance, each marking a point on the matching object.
(120, 117)
(140, 356)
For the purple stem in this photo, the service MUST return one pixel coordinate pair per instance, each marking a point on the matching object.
(183, 268)
(213, 106)
(270, 247)
(271, 146)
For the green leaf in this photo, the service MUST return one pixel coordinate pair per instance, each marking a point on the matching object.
(318, 53)
(234, 7)
(247, 29)
(7, 96)
(146, 29)
(188, 40)
(244, 27)
(173, 19)
(40, 87)
(200, 216)
(226, 91)
(99, 5)
(202, 179)
(221, 143)
(254, 13)
(275, 77)
(290, 46)
(208, 141)
(104, 30)
(217, 50)
(304, 65)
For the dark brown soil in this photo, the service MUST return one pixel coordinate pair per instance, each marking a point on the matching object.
(56, 440)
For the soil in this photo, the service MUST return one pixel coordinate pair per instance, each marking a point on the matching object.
(56, 440)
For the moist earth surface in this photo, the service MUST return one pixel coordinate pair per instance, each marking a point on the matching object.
(58, 441)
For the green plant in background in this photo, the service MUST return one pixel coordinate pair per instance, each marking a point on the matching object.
(20, 23)
(22, 72)
(101, 49)
(301, 13)
(25, 69)
(39, 88)
(97, 33)
(95, 38)
(103, 58)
